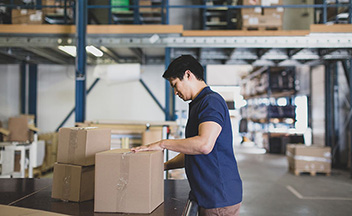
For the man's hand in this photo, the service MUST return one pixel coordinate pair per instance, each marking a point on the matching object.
(151, 147)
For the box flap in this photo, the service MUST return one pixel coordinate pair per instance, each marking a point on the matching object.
(33, 128)
(4, 131)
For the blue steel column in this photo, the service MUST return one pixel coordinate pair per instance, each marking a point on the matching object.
(325, 12)
(169, 94)
(32, 90)
(350, 17)
(23, 86)
(81, 60)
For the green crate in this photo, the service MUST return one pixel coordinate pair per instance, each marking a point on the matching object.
(119, 3)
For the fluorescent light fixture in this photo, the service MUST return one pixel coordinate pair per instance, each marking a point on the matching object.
(69, 50)
(95, 51)
(72, 50)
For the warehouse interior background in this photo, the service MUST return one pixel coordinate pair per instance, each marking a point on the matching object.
(284, 68)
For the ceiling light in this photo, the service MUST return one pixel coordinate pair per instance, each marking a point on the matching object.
(95, 51)
(69, 50)
(72, 50)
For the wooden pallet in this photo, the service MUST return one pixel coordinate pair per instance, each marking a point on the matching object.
(261, 28)
(298, 172)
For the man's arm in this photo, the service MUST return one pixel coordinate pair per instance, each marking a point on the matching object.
(201, 144)
(175, 163)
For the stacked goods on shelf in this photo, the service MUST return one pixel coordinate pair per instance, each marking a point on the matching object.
(220, 17)
(259, 18)
(26, 16)
(127, 182)
(312, 159)
(276, 81)
(268, 121)
(54, 11)
(152, 6)
(73, 178)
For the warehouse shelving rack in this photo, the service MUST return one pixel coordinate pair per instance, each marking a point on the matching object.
(262, 101)
(33, 46)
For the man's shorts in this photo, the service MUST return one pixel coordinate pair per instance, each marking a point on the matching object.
(233, 210)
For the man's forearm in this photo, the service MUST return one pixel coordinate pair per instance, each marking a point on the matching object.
(175, 163)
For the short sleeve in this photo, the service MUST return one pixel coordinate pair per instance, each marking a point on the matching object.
(212, 109)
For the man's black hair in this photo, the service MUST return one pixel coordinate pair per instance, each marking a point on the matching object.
(178, 67)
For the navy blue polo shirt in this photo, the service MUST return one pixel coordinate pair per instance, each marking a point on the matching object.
(214, 178)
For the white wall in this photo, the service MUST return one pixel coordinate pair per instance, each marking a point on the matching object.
(56, 96)
(9, 92)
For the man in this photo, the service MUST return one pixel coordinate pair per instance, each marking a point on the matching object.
(207, 152)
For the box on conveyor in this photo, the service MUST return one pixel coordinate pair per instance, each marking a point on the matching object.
(309, 158)
(128, 182)
(73, 183)
(78, 146)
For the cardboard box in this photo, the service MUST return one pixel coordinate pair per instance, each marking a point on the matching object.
(79, 145)
(27, 16)
(152, 135)
(3, 133)
(251, 2)
(19, 211)
(128, 182)
(21, 129)
(73, 183)
(51, 142)
(271, 2)
(261, 21)
(309, 158)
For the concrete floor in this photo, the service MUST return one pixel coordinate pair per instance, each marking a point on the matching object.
(270, 190)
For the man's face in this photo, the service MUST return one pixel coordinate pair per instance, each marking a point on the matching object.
(181, 88)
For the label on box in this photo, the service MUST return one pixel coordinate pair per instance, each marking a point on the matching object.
(24, 11)
(280, 9)
(253, 21)
(257, 10)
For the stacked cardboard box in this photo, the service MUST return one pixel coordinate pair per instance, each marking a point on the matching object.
(312, 159)
(262, 18)
(27, 16)
(128, 182)
(74, 173)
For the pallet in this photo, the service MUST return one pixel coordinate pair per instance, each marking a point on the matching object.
(311, 173)
(262, 28)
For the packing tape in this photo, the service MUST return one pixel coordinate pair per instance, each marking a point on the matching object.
(123, 181)
(73, 144)
(308, 158)
(66, 189)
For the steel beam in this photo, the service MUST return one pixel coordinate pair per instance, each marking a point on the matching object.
(52, 56)
(32, 89)
(151, 94)
(81, 60)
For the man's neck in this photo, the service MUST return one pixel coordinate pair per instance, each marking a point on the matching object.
(198, 88)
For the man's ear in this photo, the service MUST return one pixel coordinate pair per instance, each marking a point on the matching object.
(188, 74)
